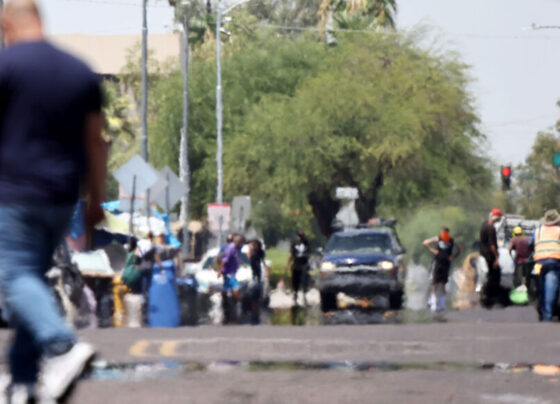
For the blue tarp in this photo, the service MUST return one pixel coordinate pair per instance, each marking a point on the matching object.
(78, 220)
(170, 239)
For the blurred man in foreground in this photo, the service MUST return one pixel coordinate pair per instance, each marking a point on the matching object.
(51, 146)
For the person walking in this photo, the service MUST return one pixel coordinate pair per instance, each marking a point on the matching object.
(546, 244)
(299, 264)
(256, 258)
(491, 291)
(521, 245)
(51, 147)
(228, 269)
(444, 255)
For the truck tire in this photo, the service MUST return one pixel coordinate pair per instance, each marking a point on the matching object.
(328, 301)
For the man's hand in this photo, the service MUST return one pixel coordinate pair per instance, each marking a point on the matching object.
(219, 274)
(496, 263)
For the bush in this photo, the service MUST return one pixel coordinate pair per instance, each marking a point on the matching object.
(278, 259)
(427, 222)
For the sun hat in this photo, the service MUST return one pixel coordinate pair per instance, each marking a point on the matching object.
(551, 217)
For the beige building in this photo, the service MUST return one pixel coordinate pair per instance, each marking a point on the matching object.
(106, 54)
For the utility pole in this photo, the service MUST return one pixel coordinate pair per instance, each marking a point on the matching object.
(184, 152)
(219, 153)
(144, 106)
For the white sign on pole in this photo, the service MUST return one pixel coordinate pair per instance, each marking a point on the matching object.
(347, 214)
(146, 175)
(168, 189)
(347, 193)
(219, 216)
(240, 213)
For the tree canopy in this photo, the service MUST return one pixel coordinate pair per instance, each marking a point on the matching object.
(378, 112)
(537, 180)
(380, 115)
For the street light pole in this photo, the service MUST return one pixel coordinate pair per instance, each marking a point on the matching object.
(184, 153)
(219, 153)
(144, 106)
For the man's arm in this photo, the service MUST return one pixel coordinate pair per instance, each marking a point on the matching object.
(96, 160)
(227, 256)
(458, 251)
(494, 249)
(427, 243)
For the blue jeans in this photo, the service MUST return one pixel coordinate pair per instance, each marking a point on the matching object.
(548, 285)
(28, 237)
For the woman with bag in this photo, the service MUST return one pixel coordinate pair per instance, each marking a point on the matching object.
(130, 281)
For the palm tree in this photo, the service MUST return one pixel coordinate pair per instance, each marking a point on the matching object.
(358, 14)
(201, 19)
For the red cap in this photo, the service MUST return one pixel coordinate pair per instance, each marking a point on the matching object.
(496, 212)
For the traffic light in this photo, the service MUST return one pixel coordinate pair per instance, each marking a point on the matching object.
(506, 177)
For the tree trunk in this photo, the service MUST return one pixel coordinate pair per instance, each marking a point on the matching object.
(325, 209)
(366, 205)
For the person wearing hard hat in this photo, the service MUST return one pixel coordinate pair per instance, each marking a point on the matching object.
(489, 251)
(521, 245)
(546, 244)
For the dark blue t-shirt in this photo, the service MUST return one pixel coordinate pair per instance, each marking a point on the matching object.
(45, 95)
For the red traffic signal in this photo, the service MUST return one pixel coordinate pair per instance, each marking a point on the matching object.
(506, 177)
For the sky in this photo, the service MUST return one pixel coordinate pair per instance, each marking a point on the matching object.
(515, 70)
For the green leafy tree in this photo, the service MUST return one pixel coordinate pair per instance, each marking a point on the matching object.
(253, 68)
(382, 115)
(119, 131)
(538, 181)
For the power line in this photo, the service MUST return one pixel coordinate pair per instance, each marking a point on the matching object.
(120, 3)
(371, 31)
(521, 122)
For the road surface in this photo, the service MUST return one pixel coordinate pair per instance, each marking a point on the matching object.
(477, 356)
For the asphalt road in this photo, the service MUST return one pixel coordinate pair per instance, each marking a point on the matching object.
(478, 356)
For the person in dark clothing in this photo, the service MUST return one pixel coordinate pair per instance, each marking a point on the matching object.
(51, 148)
(521, 244)
(492, 291)
(256, 257)
(444, 255)
(299, 263)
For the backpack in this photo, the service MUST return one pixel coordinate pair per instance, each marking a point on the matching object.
(131, 274)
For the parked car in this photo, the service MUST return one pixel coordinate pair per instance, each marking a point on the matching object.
(207, 276)
(365, 263)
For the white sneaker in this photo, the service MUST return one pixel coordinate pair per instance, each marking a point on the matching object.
(20, 393)
(60, 371)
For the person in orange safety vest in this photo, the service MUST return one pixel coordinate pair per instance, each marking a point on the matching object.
(546, 245)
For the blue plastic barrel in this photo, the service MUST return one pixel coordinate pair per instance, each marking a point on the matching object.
(163, 309)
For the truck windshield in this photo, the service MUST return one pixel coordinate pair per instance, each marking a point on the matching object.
(362, 243)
